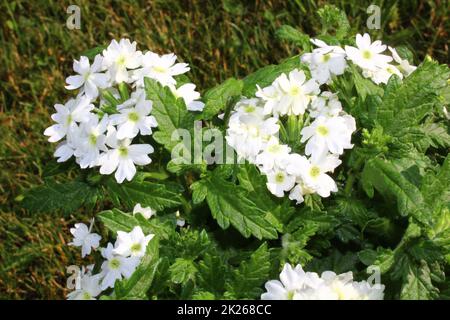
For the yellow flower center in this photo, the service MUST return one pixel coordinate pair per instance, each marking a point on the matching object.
(274, 148)
(133, 116)
(86, 296)
(295, 90)
(322, 130)
(114, 264)
(92, 139)
(314, 171)
(159, 69)
(279, 177)
(249, 108)
(136, 247)
(123, 151)
(367, 54)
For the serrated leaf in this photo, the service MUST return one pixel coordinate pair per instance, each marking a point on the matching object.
(254, 184)
(182, 270)
(248, 279)
(384, 177)
(290, 34)
(436, 187)
(54, 196)
(216, 99)
(417, 283)
(334, 19)
(116, 220)
(407, 104)
(438, 134)
(229, 204)
(170, 113)
(157, 196)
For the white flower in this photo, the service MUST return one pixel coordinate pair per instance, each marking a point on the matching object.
(327, 134)
(403, 64)
(64, 151)
(123, 156)
(146, 212)
(296, 284)
(89, 77)
(382, 75)
(368, 292)
(299, 191)
(279, 181)
(313, 173)
(296, 93)
(248, 131)
(131, 121)
(89, 287)
(326, 104)
(161, 68)
(367, 55)
(115, 266)
(249, 108)
(132, 243)
(91, 141)
(342, 287)
(82, 237)
(274, 153)
(189, 95)
(119, 57)
(66, 117)
(291, 282)
(325, 61)
(180, 221)
(271, 95)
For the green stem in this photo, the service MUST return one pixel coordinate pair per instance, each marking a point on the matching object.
(123, 90)
(108, 96)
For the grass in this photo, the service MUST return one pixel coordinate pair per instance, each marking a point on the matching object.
(219, 39)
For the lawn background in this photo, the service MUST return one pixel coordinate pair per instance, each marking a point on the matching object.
(219, 39)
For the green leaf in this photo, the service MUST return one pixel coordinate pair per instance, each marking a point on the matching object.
(436, 187)
(157, 196)
(67, 196)
(417, 283)
(265, 76)
(208, 269)
(333, 19)
(365, 87)
(182, 270)
(248, 279)
(116, 220)
(294, 36)
(229, 204)
(216, 99)
(438, 134)
(203, 295)
(170, 113)
(254, 183)
(386, 179)
(139, 283)
(199, 192)
(405, 105)
(91, 53)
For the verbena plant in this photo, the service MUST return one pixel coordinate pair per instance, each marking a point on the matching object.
(334, 162)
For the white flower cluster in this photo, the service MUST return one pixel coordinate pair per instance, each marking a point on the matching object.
(255, 124)
(121, 259)
(98, 126)
(326, 61)
(296, 284)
